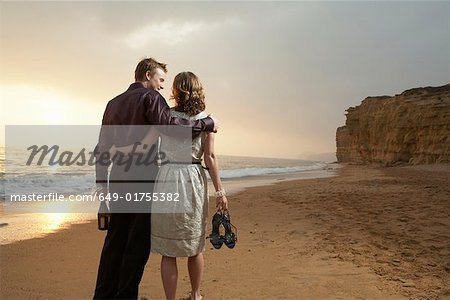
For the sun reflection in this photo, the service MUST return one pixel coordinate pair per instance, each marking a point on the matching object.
(55, 221)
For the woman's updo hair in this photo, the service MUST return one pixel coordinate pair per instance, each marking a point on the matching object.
(187, 91)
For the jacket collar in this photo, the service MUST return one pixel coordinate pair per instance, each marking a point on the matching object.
(136, 85)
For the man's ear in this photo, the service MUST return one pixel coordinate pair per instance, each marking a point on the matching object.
(148, 75)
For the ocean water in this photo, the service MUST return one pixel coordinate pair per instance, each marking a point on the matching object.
(17, 177)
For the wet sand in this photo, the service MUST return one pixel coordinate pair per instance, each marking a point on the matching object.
(369, 233)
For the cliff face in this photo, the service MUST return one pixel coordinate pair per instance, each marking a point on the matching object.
(412, 127)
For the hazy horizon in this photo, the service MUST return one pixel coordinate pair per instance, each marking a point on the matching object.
(278, 75)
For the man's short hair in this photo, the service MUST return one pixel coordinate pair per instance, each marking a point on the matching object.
(148, 64)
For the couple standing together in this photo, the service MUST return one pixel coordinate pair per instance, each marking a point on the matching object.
(131, 236)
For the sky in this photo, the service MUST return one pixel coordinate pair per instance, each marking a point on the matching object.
(278, 75)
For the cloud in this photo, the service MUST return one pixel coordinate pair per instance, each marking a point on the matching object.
(172, 33)
(168, 33)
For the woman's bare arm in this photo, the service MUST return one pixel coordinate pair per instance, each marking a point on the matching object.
(213, 166)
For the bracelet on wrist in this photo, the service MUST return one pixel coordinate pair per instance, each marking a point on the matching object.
(221, 193)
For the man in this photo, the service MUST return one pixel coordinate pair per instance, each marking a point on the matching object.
(127, 243)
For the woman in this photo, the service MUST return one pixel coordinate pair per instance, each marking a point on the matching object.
(179, 229)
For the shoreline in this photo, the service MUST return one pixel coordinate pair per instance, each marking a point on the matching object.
(369, 232)
(29, 222)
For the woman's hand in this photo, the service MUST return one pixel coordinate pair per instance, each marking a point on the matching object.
(222, 203)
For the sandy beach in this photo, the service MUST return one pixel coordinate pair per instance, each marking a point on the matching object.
(368, 233)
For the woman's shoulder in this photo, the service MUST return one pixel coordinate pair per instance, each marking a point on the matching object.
(179, 114)
(184, 115)
(201, 115)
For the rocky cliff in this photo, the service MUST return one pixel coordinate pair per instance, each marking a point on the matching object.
(412, 127)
